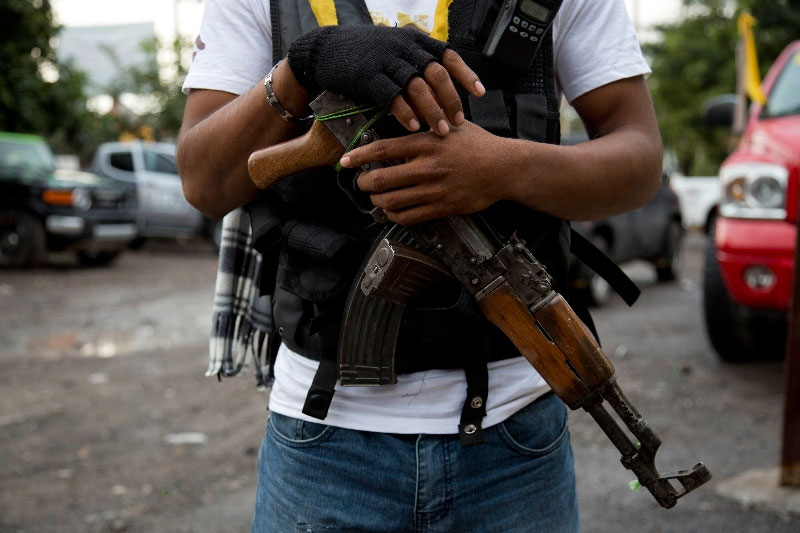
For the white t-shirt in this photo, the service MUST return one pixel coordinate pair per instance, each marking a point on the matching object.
(594, 44)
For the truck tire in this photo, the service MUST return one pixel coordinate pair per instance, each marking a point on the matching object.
(23, 242)
(738, 334)
(668, 264)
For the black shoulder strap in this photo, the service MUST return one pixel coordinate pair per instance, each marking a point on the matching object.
(595, 259)
(275, 19)
(363, 11)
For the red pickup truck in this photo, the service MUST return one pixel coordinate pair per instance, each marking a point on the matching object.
(750, 258)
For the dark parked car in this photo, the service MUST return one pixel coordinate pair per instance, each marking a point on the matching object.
(45, 209)
(652, 233)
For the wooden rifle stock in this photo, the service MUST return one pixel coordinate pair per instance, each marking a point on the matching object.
(316, 148)
(574, 366)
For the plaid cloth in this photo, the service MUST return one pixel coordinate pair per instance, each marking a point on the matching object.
(242, 319)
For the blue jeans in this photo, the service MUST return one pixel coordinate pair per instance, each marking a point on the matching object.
(314, 477)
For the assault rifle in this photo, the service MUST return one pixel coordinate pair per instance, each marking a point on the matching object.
(512, 289)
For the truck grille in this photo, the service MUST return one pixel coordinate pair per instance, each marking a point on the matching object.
(112, 199)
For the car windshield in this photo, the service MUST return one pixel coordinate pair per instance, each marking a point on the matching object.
(784, 99)
(25, 160)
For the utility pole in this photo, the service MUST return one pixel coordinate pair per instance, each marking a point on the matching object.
(790, 456)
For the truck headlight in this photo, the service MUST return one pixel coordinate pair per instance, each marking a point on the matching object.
(759, 278)
(81, 199)
(754, 190)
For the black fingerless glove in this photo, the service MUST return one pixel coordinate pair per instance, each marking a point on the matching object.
(368, 64)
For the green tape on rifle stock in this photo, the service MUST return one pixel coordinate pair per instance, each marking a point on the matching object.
(346, 112)
(634, 485)
(354, 111)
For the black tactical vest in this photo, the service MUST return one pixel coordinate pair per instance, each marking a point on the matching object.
(320, 239)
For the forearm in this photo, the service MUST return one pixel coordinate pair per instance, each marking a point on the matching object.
(618, 170)
(609, 175)
(219, 134)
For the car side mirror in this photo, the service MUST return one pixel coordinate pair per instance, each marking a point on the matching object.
(719, 111)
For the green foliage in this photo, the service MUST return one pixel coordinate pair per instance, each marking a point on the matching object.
(695, 60)
(159, 86)
(37, 94)
(778, 25)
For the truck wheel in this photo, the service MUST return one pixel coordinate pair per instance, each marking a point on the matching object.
(737, 334)
(668, 264)
(22, 239)
(95, 259)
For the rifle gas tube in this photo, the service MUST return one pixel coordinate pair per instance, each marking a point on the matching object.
(512, 289)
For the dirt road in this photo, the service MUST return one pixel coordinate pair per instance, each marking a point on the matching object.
(107, 422)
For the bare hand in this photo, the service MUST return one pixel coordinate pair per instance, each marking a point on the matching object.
(433, 99)
(442, 175)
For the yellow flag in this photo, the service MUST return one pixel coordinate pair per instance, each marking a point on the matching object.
(752, 75)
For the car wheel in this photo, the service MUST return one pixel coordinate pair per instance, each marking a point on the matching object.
(737, 334)
(592, 288)
(22, 239)
(668, 265)
(96, 259)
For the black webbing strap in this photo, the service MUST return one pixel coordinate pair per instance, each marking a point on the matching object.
(320, 395)
(275, 21)
(474, 409)
(595, 259)
(265, 225)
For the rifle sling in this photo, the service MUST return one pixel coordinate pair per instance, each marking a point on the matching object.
(594, 258)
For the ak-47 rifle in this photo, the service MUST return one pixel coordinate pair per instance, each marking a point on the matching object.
(512, 289)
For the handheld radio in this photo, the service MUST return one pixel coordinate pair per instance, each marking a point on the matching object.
(518, 30)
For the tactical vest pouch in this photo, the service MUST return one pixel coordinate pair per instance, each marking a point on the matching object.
(314, 274)
(313, 256)
(307, 328)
